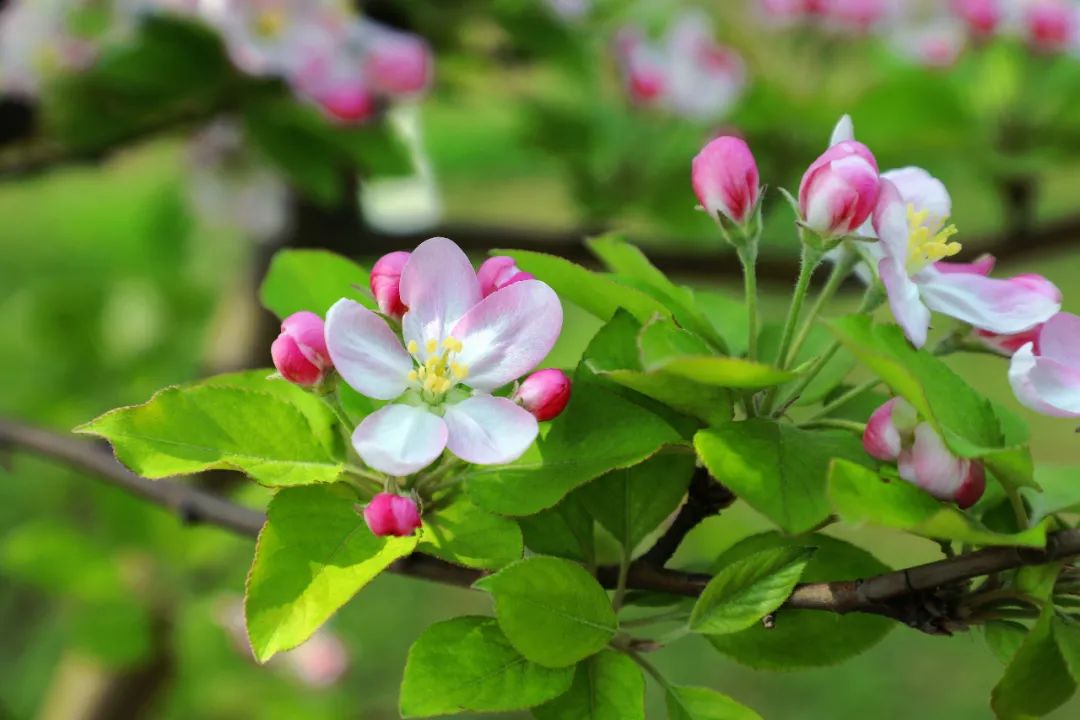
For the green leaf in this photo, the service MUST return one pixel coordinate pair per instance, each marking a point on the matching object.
(632, 503)
(778, 469)
(859, 495)
(1060, 491)
(742, 593)
(806, 638)
(183, 430)
(698, 703)
(1067, 635)
(461, 533)
(1037, 680)
(552, 610)
(728, 316)
(312, 280)
(565, 531)
(314, 553)
(266, 380)
(467, 664)
(1004, 638)
(607, 686)
(595, 293)
(817, 342)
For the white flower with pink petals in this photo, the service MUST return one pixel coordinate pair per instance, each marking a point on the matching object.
(1045, 372)
(459, 347)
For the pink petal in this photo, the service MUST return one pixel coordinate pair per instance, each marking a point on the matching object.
(725, 178)
(489, 430)
(366, 351)
(891, 223)
(508, 333)
(904, 301)
(438, 285)
(919, 188)
(881, 439)
(1004, 307)
(931, 466)
(1045, 385)
(1060, 339)
(400, 439)
(983, 265)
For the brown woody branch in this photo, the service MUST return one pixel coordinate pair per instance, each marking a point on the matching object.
(902, 594)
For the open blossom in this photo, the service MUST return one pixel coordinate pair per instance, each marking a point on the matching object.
(1051, 25)
(912, 243)
(894, 433)
(389, 514)
(855, 15)
(1045, 372)
(981, 16)
(458, 348)
(299, 352)
(545, 393)
(36, 42)
(839, 190)
(498, 272)
(725, 179)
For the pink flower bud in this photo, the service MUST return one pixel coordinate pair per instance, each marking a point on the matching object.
(725, 179)
(929, 464)
(1050, 24)
(1008, 344)
(498, 272)
(839, 190)
(544, 393)
(299, 352)
(858, 15)
(348, 103)
(386, 283)
(982, 16)
(398, 64)
(881, 439)
(321, 661)
(389, 514)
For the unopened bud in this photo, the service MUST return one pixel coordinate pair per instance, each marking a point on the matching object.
(389, 514)
(386, 283)
(498, 272)
(725, 179)
(839, 190)
(545, 393)
(299, 352)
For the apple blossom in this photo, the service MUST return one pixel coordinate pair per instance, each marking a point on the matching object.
(1050, 25)
(855, 15)
(397, 64)
(1045, 372)
(389, 514)
(839, 189)
(895, 433)
(320, 662)
(497, 272)
(725, 179)
(299, 352)
(981, 16)
(386, 281)
(912, 242)
(545, 393)
(455, 340)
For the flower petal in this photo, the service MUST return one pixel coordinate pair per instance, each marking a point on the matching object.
(844, 131)
(919, 188)
(366, 351)
(1060, 339)
(982, 265)
(508, 333)
(904, 300)
(891, 223)
(1000, 306)
(400, 439)
(438, 285)
(1045, 385)
(489, 430)
(931, 466)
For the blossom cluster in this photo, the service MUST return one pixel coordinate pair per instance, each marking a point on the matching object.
(896, 222)
(935, 34)
(688, 74)
(325, 52)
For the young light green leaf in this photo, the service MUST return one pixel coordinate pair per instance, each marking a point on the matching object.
(312, 280)
(778, 469)
(728, 316)
(1060, 491)
(593, 292)
(708, 402)
(1037, 680)
(698, 703)
(607, 686)
(314, 553)
(551, 610)
(859, 495)
(817, 342)
(742, 593)
(460, 532)
(183, 430)
(1067, 635)
(806, 638)
(467, 664)
(632, 503)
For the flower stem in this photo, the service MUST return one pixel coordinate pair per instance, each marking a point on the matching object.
(620, 586)
(839, 273)
(649, 668)
(840, 400)
(748, 257)
(1019, 511)
(668, 616)
(856, 427)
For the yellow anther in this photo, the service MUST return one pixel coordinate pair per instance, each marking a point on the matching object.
(460, 371)
(431, 346)
(452, 344)
(413, 377)
(412, 347)
(924, 245)
(269, 23)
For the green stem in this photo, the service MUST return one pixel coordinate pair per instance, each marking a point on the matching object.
(649, 668)
(748, 257)
(839, 273)
(620, 585)
(670, 615)
(851, 425)
(1019, 511)
(842, 399)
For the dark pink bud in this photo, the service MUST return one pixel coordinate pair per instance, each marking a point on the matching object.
(839, 190)
(389, 514)
(544, 393)
(398, 64)
(930, 464)
(348, 103)
(498, 272)
(299, 352)
(386, 283)
(1050, 24)
(881, 439)
(982, 16)
(725, 179)
(972, 487)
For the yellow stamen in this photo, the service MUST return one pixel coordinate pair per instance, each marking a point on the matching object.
(269, 23)
(926, 246)
(431, 346)
(452, 344)
(412, 347)
(413, 377)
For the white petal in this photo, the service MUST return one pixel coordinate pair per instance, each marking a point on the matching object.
(400, 439)
(999, 306)
(907, 307)
(438, 285)
(891, 223)
(508, 333)
(365, 351)
(919, 188)
(489, 430)
(1045, 385)
(844, 131)
(932, 467)
(1060, 339)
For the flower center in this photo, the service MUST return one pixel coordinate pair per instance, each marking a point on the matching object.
(926, 246)
(435, 377)
(269, 23)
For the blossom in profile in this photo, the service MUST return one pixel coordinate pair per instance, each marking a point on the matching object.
(457, 348)
(299, 352)
(1045, 371)
(839, 190)
(394, 515)
(498, 272)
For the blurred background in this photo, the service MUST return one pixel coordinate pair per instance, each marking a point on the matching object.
(154, 154)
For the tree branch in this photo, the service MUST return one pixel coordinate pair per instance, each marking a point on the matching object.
(908, 595)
